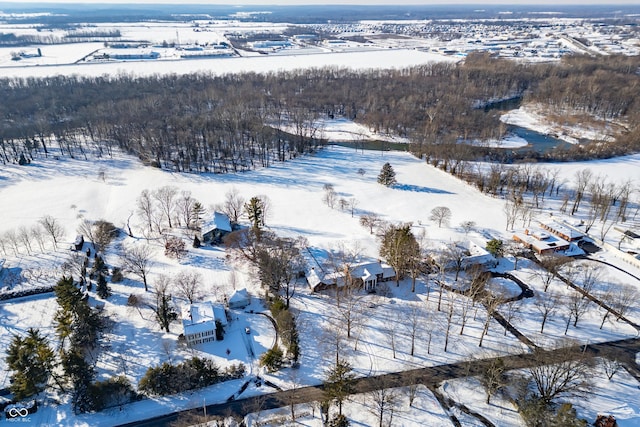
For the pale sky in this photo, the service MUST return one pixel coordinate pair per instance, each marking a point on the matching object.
(349, 2)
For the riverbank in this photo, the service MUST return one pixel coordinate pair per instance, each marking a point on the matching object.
(571, 130)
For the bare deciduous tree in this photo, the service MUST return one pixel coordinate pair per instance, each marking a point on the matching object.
(547, 304)
(53, 228)
(370, 221)
(569, 376)
(137, 261)
(384, 401)
(145, 210)
(162, 305)
(233, 205)
(166, 199)
(440, 215)
(188, 285)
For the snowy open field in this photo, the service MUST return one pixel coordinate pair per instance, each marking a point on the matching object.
(71, 190)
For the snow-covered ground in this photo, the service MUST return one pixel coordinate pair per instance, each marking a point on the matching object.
(531, 117)
(72, 189)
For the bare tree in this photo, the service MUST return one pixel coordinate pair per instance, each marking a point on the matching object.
(37, 233)
(185, 207)
(86, 229)
(162, 305)
(493, 377)
(569, 376)
(441, 215)
(610, 366)
(352, 203)
(511, 209)
(53, 228)
(233, 205)
(454, 256)
(551, 265)
(547, 304)
(467, 226)
(104, 232)
(464, 305)
(330, 196)
(350, 310)
(576, 306)
(188, 285)
(429, 327)
(137, 261)
(583, 178)
(76, 266)
(25, 238)
(413, 322)
(145, 210)
(166, 199)
(391, 331)
(450, 319)
(511, 312)
(370, 221)
(491, 304)
(384, 401)
(620, 297)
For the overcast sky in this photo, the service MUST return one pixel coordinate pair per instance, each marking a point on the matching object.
(359, 2)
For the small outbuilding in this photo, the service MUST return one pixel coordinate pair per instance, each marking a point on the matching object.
(239, 299)
(79, 242)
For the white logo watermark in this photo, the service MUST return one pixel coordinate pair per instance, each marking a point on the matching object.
(20, 415)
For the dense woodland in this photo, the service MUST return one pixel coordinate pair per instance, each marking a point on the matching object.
(203, 123)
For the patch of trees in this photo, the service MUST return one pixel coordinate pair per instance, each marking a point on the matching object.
(277, 261)
(189, 375)
(231, 123)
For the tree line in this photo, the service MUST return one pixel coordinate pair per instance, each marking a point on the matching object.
(205, 123)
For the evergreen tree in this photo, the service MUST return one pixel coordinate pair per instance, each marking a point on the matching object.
(387, 175)
(102, 288)
(99, 267)
(255, 212)
(339, 421)
(400, 249)
(495, 247)
(198, 213)
(81, 375)
(31, 360)
(339, 383)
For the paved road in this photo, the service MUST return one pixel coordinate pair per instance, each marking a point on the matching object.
(624, 350)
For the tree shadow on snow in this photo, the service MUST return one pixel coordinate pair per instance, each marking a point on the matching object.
(420, 189)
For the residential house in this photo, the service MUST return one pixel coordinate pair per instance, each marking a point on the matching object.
(199, 322)
(562, 231)
(541, 242)
(215, 230)
(368, 275)
(470, 254)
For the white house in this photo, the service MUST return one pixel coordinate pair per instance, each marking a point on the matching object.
(199, 322)
(367, 275)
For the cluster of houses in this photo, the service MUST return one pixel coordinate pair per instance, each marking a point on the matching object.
(204, 322)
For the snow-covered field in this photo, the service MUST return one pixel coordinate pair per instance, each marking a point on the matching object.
(71, 190)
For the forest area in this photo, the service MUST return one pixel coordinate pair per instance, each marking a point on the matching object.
(229, 123)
